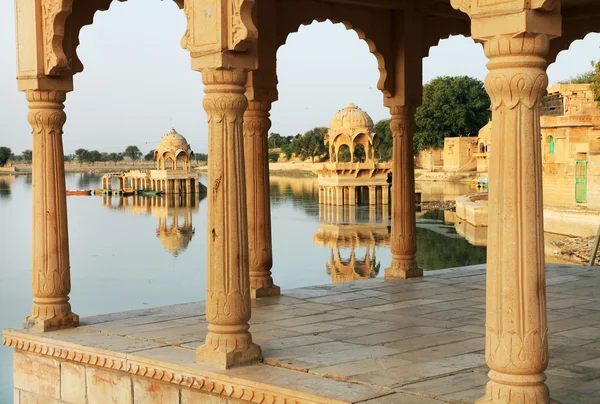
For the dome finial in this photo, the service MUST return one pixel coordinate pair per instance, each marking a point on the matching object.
(351, 106)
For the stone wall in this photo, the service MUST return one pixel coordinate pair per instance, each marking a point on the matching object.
(42, 379)
(458, 154)
(430, 159)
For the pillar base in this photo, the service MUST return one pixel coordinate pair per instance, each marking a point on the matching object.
(267, 291)
(403, 273)
(226, 351)
(50, 324)
(516, 389)
(403, 267)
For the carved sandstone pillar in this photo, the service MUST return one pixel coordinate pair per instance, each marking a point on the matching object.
(260, 253)
(404, 225)
(228, 341)
(516, 329)
(51, 278)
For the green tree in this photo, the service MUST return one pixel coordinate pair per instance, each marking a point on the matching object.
(5, 154)
(287, 149)
(595, 86)
(312, 144)
(14, 157)
(94, 156)
(273, 157)
(133, 152)
(452, 107)
(581, 78)
(115, 157)
(274, 140)
(149, 156)
(27, 156)
(200, 156)
(383, 140)
(82, 155)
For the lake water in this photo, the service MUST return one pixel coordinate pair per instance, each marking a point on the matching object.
(127, 254)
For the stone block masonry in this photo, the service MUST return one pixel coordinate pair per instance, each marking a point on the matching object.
(39, 379)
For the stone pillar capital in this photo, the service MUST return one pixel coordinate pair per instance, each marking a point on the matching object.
(256, 119)
(403, 111)
(517, 69)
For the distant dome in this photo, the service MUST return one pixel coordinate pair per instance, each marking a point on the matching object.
(351, 120)
(173, 142)
(486, 131)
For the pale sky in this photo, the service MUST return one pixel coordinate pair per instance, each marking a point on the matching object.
(138, 82)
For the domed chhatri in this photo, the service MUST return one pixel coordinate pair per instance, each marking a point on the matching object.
(351, 127)
(175, 147)
(352, 120)
(352, 166)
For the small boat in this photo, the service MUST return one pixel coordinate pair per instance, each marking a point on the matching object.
(148, 192)
(79, 192)
(128, 191)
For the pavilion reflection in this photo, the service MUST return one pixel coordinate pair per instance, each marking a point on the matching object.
(5, 184)
(346, 231)
(174, 214)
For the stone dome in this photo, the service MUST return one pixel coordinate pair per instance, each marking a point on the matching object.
(173, 142)
(350, 120)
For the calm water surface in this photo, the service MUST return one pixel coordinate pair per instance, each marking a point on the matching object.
(142, 252)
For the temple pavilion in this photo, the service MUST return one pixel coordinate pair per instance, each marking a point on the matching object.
(233, 44)
(352, 175)
(172, 174)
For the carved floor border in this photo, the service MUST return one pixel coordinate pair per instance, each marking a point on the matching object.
(214, 383)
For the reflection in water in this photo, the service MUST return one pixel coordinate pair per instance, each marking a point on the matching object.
(346, 229)
(5, 183)
(294, 190)
(86, 180)
(174, 212)
(440, 246)
(339, 237)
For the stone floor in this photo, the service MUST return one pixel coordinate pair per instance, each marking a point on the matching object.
(418, 341)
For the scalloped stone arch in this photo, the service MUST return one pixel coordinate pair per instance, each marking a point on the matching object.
(83, 15)
(576, 33)
(365, 135)
(383, 83)
(345, 138)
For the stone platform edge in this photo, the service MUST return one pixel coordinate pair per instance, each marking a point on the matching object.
(212, 382)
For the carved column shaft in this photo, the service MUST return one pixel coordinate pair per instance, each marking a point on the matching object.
(260, 252)
(404, 224)
(516, 329)
(51, 278)
(228, 341)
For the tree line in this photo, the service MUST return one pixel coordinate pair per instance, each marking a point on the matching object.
(132, 153)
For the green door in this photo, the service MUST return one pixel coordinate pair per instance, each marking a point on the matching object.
(581, 181)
